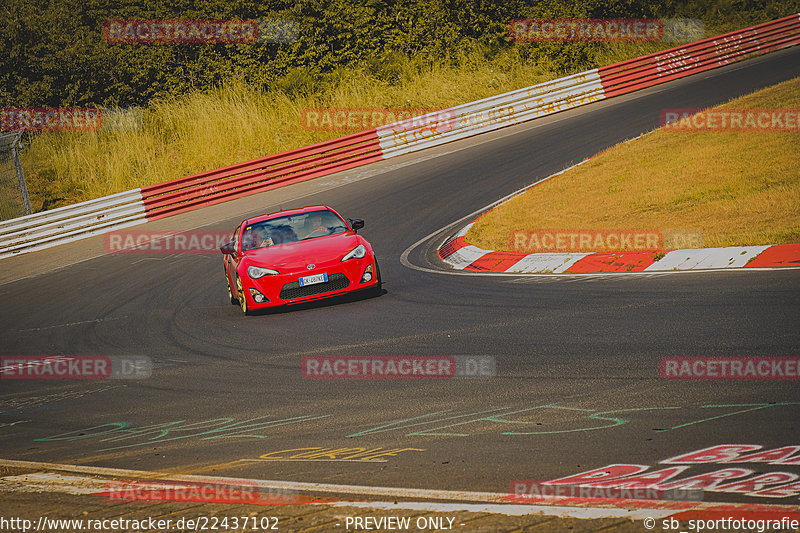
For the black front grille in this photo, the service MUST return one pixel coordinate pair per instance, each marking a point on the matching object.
(293, 290)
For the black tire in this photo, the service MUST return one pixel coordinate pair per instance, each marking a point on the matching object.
(375, 291)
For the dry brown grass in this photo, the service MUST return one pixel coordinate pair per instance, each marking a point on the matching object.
(736, 188)
(234, 123)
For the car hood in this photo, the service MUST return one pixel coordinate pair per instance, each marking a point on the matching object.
(298, 255)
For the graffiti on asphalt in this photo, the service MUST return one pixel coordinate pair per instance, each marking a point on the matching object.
(368, 455)
(445, 421)
(218, 428)
(507, 420)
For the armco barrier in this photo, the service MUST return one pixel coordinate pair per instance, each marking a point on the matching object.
(72, 222)
(596, 84)
(41, 230)
(208, 188)
(646, 71)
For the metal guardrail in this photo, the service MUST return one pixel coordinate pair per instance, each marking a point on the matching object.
(714, 52)
(69, 223)
(589, 86)
(490, 114)
(208, 188)
(65, 224)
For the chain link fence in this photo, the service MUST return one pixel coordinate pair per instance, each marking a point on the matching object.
(14, 200)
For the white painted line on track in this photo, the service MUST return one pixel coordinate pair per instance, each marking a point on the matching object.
(427, 494)
(52, 482)
(490, 502)
(81, 485)
(513, 510)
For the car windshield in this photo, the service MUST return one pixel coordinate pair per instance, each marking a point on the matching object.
(291, 228)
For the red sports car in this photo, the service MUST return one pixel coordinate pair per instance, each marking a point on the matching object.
(298, 255)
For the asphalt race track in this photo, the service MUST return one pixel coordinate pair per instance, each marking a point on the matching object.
(577, 385)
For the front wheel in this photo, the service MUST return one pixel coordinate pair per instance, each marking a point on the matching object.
(375, 291)
(231, 296)
(240, 291)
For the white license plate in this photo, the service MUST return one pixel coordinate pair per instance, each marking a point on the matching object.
(316, 278)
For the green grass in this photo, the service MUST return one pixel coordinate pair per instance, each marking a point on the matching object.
(734, 188)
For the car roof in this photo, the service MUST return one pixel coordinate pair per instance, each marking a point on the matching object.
(286, 212)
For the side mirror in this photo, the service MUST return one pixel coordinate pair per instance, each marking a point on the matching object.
(229, 248)
(356, 223)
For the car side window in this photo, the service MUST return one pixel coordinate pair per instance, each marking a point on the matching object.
(235, 236)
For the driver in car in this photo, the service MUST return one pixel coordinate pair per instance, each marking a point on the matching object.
(314, 226)
(264, 238)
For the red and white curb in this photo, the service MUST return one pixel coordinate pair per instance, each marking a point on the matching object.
(52, 480)
(461, 255)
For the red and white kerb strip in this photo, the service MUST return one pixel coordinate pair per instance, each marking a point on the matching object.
(461, 255)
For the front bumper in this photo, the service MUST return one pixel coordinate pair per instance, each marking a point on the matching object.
(284, 289)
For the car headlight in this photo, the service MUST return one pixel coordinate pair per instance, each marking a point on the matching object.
(259, 272)
(356, 253)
